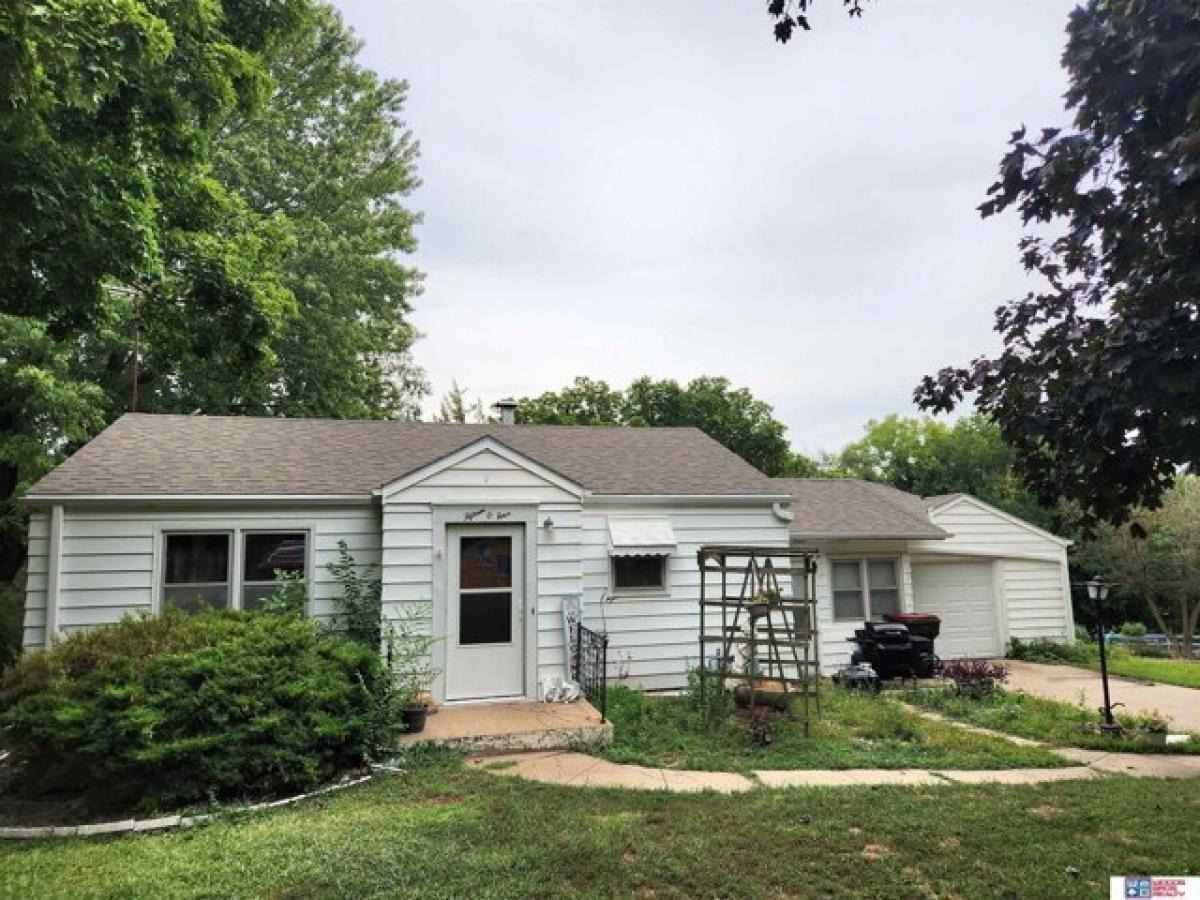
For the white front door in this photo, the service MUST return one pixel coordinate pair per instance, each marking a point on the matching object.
(485, 647)
(961, 593)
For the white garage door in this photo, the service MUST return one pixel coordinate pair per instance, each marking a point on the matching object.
(961, 593)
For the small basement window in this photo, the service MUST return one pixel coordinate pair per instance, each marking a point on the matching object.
(196, 571)
(264, 554)
(639, 574)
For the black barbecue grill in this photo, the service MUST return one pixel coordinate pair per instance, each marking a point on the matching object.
(898, 649)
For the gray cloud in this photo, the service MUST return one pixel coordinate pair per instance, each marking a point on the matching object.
(636, 187)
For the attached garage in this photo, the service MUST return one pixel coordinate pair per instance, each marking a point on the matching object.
(988, 574)
(962, 594)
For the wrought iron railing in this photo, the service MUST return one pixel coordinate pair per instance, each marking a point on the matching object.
(589, 666)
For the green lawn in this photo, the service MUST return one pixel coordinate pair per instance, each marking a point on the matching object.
(853, 731)
(1164, 671)
(1121, 661)
(1037, 718)
(453, 833)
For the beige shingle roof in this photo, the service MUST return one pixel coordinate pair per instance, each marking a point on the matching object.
(214, 455)
(849, 508)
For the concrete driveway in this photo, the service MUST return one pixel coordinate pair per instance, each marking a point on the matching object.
(1066, 683)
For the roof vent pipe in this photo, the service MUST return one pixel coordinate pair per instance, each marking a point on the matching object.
(507, 409)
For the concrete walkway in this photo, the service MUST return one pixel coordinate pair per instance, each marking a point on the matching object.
(581, 770)
(513, 726)
(1067, 683)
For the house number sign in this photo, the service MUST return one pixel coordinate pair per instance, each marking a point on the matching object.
(486, 515)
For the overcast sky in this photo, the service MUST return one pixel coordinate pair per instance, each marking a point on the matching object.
(635, 187)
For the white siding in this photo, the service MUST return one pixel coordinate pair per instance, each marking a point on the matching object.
(653, 641)
(490, 480)
(1032, 583)
(35, 584)
(108, 565)
(977, 529)
(1034, 599)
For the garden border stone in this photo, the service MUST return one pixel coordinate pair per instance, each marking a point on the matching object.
(164, 823)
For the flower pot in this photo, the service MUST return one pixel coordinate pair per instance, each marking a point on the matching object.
(413, 719)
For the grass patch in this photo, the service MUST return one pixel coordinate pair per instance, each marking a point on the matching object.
(1038, 718)
(1121, 661)
(854, 731)
(1179, 672)
(447, 832)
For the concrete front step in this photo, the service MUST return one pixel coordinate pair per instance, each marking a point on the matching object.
(482, 728)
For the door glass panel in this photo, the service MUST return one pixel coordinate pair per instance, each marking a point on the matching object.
(485, 562)
(485, 618)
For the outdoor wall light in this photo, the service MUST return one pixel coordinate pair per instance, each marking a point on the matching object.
(548, 523)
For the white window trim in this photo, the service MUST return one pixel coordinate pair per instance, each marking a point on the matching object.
(656, 591)
(237, 549)
(864, 579)
(230, 553)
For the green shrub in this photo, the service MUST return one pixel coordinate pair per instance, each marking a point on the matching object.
(1044, 650)
(12, 616)
(182, 708)
(1133, 629)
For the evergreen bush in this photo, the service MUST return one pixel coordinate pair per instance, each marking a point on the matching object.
(181, 708)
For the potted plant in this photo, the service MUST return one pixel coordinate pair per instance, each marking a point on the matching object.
(407, 654)
(762, 602)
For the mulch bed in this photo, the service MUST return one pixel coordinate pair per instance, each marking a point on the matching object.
(21, 807)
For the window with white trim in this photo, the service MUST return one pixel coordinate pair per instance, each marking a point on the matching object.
(198, 567)
(196, 570)
(865, 589)
(639, 574)
(263, 555)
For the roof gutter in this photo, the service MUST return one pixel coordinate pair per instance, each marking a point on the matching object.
(689, 499)
(868, 536)
(39, 500)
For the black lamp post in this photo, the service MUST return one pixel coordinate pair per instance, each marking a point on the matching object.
(1097, 591)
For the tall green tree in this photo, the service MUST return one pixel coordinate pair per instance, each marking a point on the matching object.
(105, 137)
(200, 209)
(585, 401)
(732, 416)
(330, 153)
(928, 457)
(457, 406)
(1097, 387)
(1158, 563)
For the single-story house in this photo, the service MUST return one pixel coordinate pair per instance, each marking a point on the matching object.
(482, 532)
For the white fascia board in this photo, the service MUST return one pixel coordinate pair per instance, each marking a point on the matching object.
(1008, 517)
(688, 499)
(877, 536)
(473, 449)
(199, 499)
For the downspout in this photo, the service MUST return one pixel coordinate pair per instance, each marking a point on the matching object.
(782, 512)
(53, 567)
